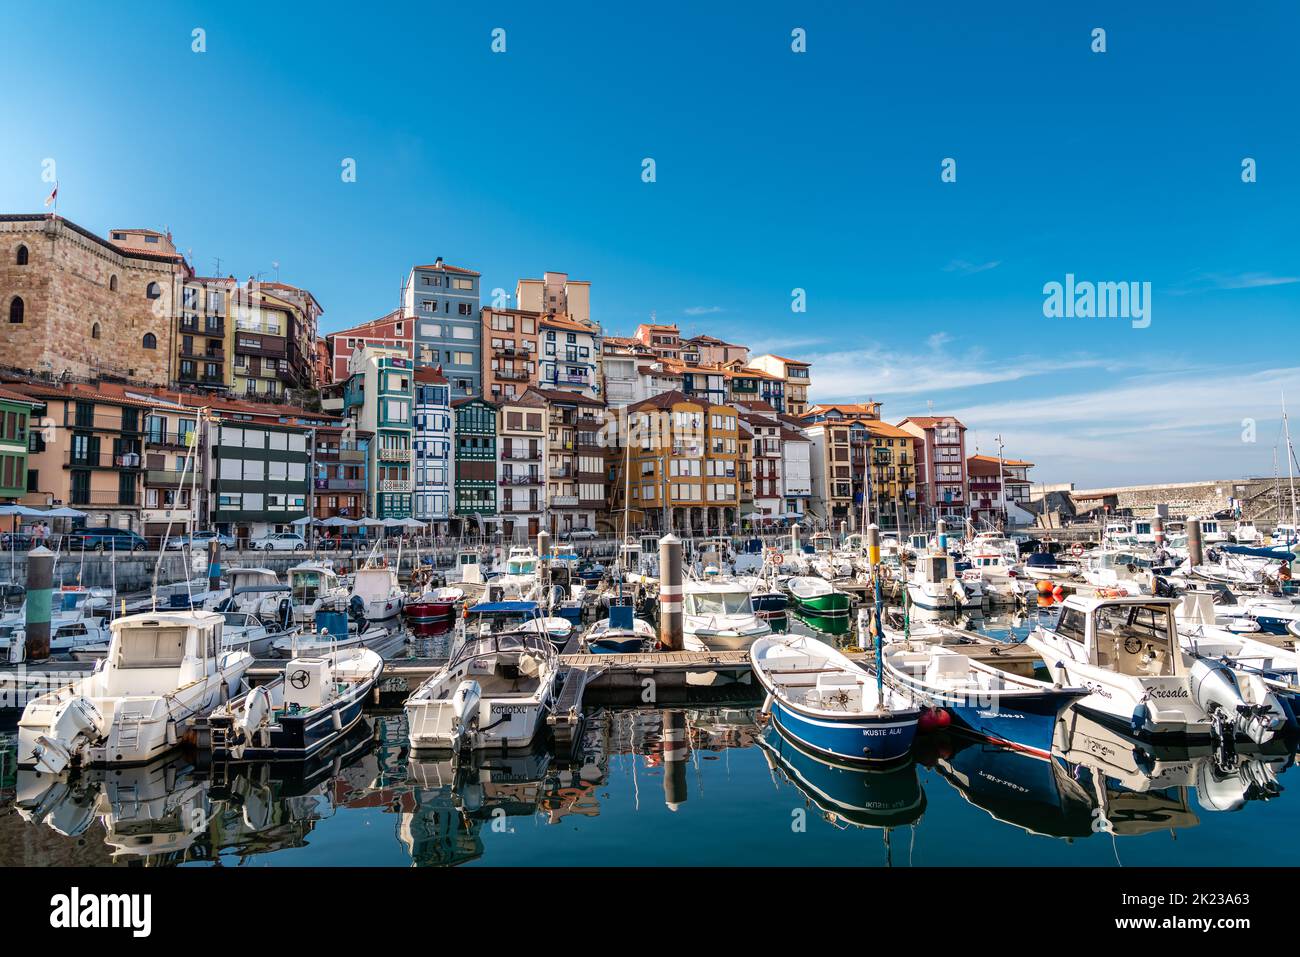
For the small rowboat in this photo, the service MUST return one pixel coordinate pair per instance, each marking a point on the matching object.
(827, 703)
(817, 596)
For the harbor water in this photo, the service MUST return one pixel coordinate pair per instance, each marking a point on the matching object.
(738, 793)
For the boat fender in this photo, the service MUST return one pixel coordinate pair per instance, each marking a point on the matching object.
(933, 719)
(337, 720)
(767, 705)
(1140, 717)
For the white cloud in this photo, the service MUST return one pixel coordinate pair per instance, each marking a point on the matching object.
(968, 268)
(702, 310)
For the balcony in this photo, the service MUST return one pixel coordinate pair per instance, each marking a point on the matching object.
(352, 455)
(521, 480)
(103, 460)
(390, 485)
(394, 455)
(174, 440)
(564, 501)
(511, 375)
(521, 455)
(340, 485)
(168, 478)
(562, 471)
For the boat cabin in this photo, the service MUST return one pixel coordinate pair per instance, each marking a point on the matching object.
(933, 569)
(714, 597)
(158, 653)
(1129, 636)
(308, 582)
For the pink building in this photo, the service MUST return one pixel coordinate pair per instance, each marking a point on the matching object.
(941, 479)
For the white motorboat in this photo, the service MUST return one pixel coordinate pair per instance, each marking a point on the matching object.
(519, 579)
(1126, 651)
(1124, 569)
(240, 631)
(247, 591)
(332, 632)
(496, 690)
(377, 595)
(933, 584)
(313, 586)
(1044, 566)
(718, 615)
(163, 672)
(74, 626)
(311, 705)
(1246, 534)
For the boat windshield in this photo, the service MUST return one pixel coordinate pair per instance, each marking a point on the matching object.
(1134, 639)
(237, 619)
(718, 603)
(511, 642)
(306, 585)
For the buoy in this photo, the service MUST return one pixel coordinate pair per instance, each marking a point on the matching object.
(1058, 593)
(1043, 586)
(933, 719)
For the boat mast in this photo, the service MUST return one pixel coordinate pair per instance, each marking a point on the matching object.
(1002, 487)
(1290, 455)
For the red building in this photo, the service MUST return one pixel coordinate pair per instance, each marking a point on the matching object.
(999, 490)
(393, 330)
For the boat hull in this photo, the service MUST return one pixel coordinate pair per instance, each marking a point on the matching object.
(427, 611)
(297, 738)
(859, 739)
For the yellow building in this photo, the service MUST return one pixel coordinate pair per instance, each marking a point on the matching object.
(683, 466)
(892, 471)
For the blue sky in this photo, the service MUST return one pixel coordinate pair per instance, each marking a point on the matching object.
(775, 170)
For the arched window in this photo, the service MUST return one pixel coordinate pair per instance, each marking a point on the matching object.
(94, 331)
(153, 290)
(112, 284)
(150, 341)
(16, 310)
(22, 255)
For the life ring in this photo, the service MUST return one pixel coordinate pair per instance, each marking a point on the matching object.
(774, 556)
(1076, 549)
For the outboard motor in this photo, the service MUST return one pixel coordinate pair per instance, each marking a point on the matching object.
(1229, 789)
(1215, 688)
(357, 609)
(284, 615)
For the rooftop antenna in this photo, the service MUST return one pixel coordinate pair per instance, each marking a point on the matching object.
(217, 260)
(275, 264)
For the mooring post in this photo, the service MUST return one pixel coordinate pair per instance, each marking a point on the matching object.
(873, 561)
(1158, 526)
(794, 538)
(670, 592)
(544, 555)
(941, 533)
(844, 531)
(214, 564)
(40, 586)
(1195, 551)
(676, 754)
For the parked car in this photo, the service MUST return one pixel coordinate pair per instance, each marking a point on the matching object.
(199, 541)
(578, 534)
(279, 542)
(107, 540)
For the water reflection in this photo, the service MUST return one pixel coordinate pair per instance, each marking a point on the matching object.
(643, 785)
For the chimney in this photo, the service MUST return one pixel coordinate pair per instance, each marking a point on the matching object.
(438, 262)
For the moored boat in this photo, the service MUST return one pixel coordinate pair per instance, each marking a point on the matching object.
(162, 672)
(827, 703)
(311, 705)
(817, 596)
(983, 701)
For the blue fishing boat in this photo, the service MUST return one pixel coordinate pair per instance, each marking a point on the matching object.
(829, 704)
(983, 701)
(620, 633)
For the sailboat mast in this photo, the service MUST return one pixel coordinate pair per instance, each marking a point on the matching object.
(1290, 455)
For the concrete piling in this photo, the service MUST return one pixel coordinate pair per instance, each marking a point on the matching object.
(40, 589)
(676, 753)
(1195, 548)
(670, 592)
